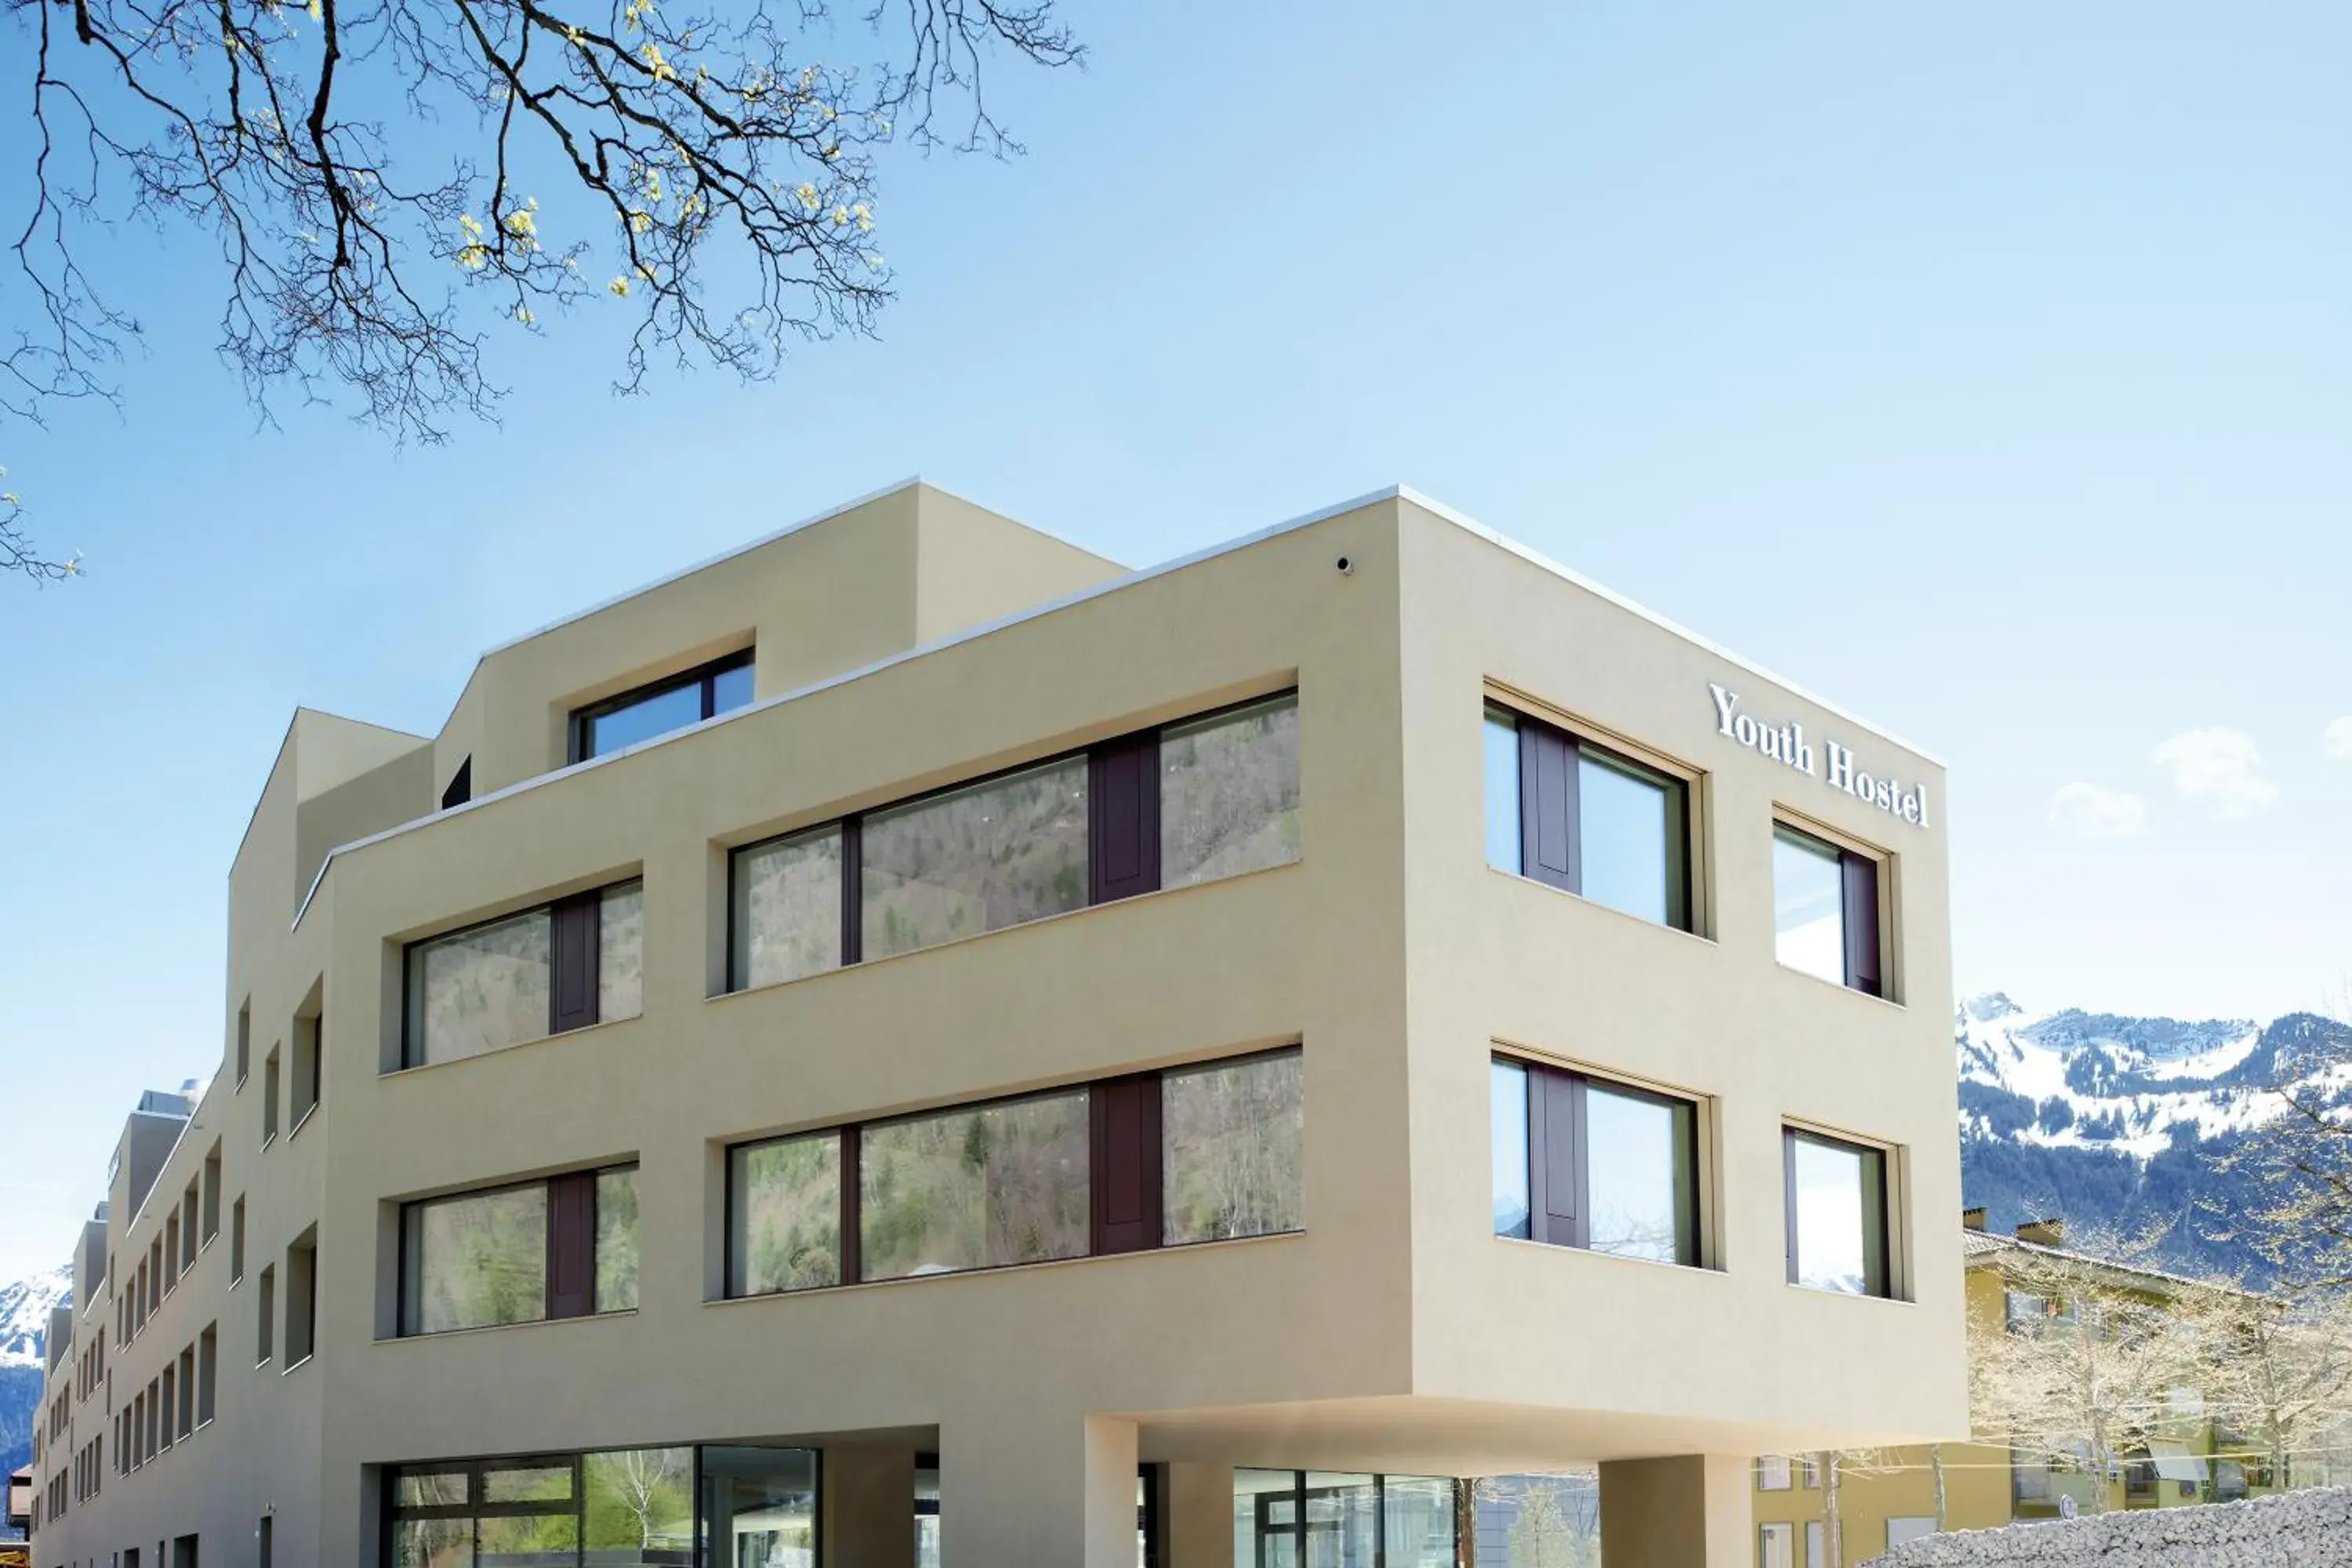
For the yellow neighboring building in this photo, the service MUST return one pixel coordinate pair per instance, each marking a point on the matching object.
(1888, 1499)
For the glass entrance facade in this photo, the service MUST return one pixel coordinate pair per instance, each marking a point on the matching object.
(1323, 1519)
(638, 1508)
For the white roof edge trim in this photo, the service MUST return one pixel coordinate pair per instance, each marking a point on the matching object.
(1537, 558)
(1079, 597)
(953, 639)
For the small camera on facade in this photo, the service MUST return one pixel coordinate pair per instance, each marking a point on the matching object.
(1346, 564)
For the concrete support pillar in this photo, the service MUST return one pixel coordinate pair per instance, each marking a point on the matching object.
(1037, 1489)
(869, 1506)
(1694, 1510)
(1200, 1517)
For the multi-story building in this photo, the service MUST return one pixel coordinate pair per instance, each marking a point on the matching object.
(911, 1042)
(1886, 1497)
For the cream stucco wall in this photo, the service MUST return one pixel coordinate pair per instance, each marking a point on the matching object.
(1395, 1332)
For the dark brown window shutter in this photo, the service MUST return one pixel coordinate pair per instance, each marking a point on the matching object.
(1125, 1115)
(1548, 805)
(573, 996)
(572, 1246)
(853, 890)
(852, 1244)
(1123, 818)
(1862, 936)
(1556, 1139)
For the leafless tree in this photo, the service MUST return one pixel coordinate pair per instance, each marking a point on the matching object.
(382, 180)
(2300, 1163)
(2098, 1375)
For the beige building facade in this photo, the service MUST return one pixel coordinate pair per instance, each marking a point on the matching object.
(912, 1043)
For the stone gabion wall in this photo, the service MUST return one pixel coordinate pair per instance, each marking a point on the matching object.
(2299, 1530)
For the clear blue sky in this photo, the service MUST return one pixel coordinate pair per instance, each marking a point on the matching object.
(1983, 367)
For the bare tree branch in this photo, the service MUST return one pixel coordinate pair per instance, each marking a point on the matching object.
(370, 171)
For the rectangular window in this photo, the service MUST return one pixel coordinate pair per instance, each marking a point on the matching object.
(1836, 1199)
(705, 692)
(1772, 1473)
(1233, 1144)
(265, 1316)
(212, 1194)
(784, 1215)
(787, 919)
(615, 1222)
(1208, 798)
(187, 1391)
(190, 1211)
(634, 1507)
(1825, 910)
(1193, 1154)
(564, 1248)
(983, 857)
(269, 1097)
(207, 1371)
(525, 976)
(1776, 1545)
(1581, 1162)
(1568, 812)
(979, 1188)
(172, 1253)
(1229, 794)
(236, 1241)
(310, 1060)
(243, 1041)
(301, 1302)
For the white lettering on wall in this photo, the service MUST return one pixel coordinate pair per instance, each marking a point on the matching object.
(1786, 744)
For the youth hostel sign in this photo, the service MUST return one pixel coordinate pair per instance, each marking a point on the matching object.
(1787, 743)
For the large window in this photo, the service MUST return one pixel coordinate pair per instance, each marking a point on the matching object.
(1233, 1138)
(560, 1249)
(629, 1507)
(1581, 1162)
(1318, 1519)
(1566, 812)
(973, 861)
(1825, 910)
(999, 1184)
(1202, 1153)
(1208, 798)
(1836, 1205)
(525, 976)
(719, 687)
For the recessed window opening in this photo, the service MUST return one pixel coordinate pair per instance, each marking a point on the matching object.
(565, 1248)
(1152, 1160)
(1836, 1202)
(1207, 798)
(1574, 815)
(524, 976)
(659, 707)
(1825, 910)
(1583, 1161)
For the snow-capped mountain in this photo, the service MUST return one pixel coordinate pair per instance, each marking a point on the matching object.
(2111, 1120)
(23, 1331)
(24, 1315)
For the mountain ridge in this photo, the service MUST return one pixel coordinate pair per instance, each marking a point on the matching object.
(2116, 1121)
(24, 1309)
